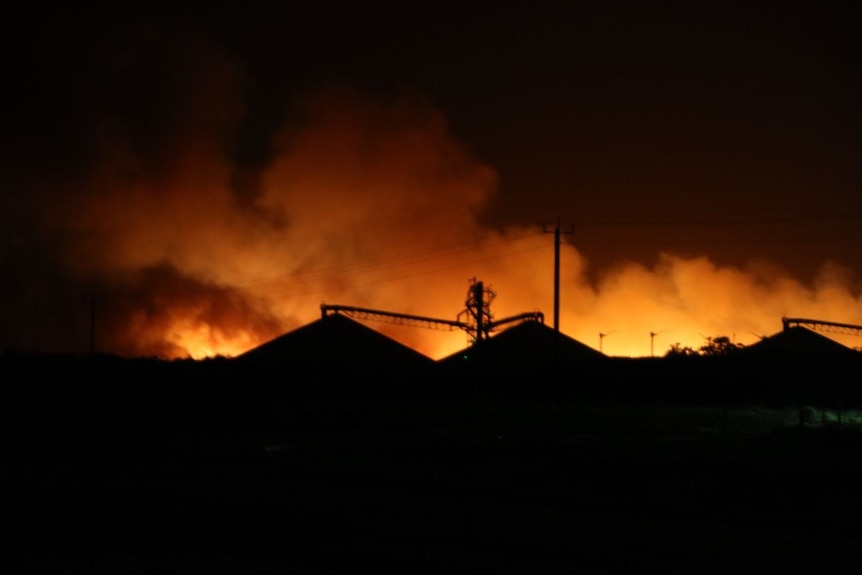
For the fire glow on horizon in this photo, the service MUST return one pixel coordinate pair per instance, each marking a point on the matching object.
(364, 202)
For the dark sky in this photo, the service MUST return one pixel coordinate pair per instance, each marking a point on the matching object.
(731, 129)
(680, 115)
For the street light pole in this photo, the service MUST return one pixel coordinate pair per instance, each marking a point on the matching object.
(652, 335)
(602, 336)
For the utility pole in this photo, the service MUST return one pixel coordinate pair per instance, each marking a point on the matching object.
(557, 231)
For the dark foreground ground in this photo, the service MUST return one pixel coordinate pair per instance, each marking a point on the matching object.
(125, 483)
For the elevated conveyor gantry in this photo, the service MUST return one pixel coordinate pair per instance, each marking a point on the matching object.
(820, 325)
(476, 319)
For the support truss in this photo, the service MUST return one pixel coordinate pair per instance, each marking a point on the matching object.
(391, 317)
(478, 321)
(824, 326)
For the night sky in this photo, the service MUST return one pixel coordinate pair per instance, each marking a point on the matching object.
(205, 176)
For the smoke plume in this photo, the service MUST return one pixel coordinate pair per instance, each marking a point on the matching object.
(125, 228)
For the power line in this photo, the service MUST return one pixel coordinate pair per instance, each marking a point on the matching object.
(348, 271)
(731, 220)
(689, 241)
(402, 277)
(397, 260)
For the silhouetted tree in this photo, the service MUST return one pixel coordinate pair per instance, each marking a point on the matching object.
(721, 345)
(678, 350)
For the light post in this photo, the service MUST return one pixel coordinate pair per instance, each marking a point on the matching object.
(602, 336)
(652, 335)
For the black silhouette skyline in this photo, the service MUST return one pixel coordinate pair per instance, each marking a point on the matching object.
(194, 180)
(203, 176)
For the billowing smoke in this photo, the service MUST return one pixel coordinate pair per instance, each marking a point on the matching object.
(128, 231)
(685, 301)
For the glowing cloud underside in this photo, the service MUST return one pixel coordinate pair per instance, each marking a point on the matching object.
(366, 202)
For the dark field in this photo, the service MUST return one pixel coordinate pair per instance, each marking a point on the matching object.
(127, 473)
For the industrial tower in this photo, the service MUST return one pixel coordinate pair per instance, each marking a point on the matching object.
(476, 319)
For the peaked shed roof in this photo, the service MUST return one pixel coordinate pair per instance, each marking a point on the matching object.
(530, 343)
(336, 340)
(799, 340)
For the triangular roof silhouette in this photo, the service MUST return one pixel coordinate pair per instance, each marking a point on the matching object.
(525, 344)
(336, 340)
(798, 340)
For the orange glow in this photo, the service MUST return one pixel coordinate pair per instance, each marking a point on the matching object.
(374, 204)
(201, 342)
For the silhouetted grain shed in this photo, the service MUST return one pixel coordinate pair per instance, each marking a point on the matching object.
(338, 355)
(798, 365)
(337, 341)
(527, 360)
(799, 341)
(526, 346)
